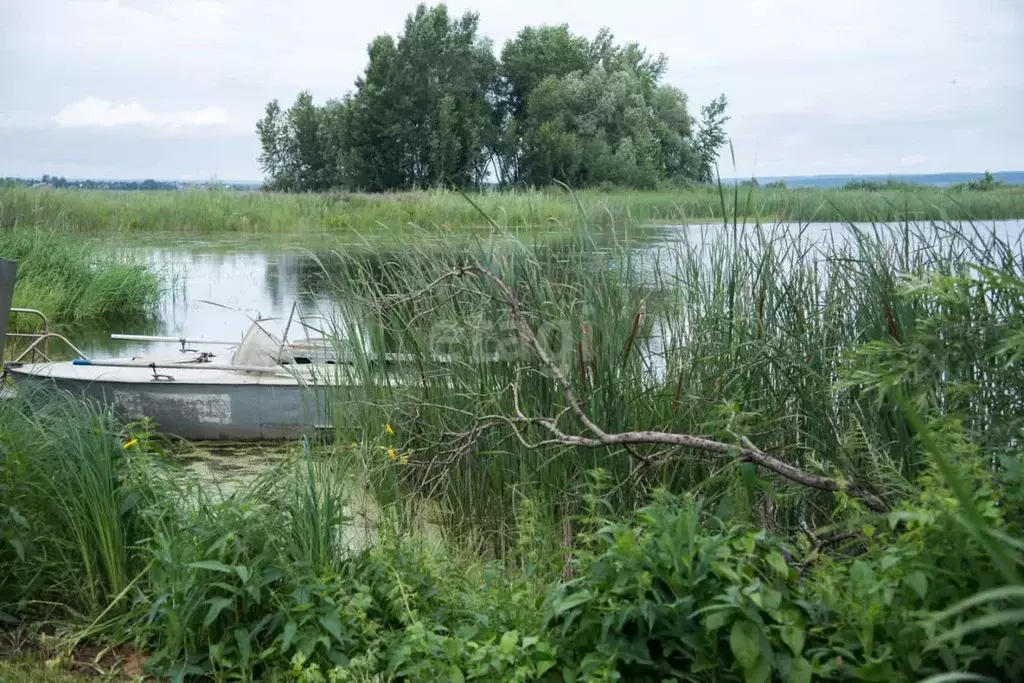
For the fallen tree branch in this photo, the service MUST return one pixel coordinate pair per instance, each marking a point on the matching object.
(598, 438)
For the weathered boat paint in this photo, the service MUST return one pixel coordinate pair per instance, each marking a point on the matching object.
(210, 404)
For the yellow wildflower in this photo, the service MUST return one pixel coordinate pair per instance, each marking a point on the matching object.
(130, 443)
(404, 460)
(389, 430)
(392, 454)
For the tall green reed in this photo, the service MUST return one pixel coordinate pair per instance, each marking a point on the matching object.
(67, 472)
(311, 495)
(735, 333)
(76, 283)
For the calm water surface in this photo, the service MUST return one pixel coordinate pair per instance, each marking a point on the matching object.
(214, 292)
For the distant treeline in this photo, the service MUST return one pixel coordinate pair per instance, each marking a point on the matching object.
(436, 107)
(60, 182)
(986, 182)
(982, 184)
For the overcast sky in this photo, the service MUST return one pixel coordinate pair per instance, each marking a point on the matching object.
(172, 88)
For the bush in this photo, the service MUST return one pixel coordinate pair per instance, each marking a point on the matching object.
(236, 588)
(676, 593)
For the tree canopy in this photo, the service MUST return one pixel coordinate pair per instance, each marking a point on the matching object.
(436, 107)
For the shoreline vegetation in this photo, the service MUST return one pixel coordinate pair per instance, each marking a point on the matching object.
(212, 213)
(732, 456)
(73, 283)
(569, 516)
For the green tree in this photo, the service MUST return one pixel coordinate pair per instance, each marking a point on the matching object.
(291, 153)
(273, 143)
(533, 55)
(709, 138)
(605, 127)
(307, 152)
(422, 112)
(434, 107)
(544, 127)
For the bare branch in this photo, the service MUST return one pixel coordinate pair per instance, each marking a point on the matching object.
(463, 442)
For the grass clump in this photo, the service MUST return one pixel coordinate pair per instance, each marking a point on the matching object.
(74, 283)
(71, 502)
(29, 672)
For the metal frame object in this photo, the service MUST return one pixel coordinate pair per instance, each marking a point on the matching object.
(45, 339)
(34, 335)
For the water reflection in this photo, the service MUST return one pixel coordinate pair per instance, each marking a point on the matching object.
(214, 294)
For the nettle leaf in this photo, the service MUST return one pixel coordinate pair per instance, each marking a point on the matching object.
(242, 640)
(800, 671)
(744, 640)
(217, 605)
(211, 565)
(794, 637)
(717, 620)
(508, 642)
(890, 560)
(919, 582)
(565, 603)
(271, 574)
(332, 624)
(792, 616)
(777, 562)
(760, 672)
(771, 599)
(290, 629)
(861, 574)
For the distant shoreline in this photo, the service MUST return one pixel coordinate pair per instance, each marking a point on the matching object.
(198, 212)
(823, 181)
(832, 180)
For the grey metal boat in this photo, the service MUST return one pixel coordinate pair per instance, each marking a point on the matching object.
(268, 390)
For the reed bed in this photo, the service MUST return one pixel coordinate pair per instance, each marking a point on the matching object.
(743, 334)
(210, 213)
(76, 283)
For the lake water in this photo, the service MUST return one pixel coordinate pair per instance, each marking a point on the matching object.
(213, 293)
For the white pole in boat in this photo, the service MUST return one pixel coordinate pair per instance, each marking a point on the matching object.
(182, 340)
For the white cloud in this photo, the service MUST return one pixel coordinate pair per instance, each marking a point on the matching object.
(95, 112)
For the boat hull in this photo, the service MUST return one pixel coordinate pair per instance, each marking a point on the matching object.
(235, 408)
